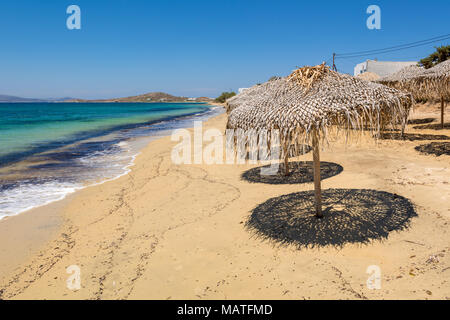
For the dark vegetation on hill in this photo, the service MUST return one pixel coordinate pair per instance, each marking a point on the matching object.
(224, 96)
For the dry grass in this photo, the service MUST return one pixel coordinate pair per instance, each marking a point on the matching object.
(307, 76)
(368, 76)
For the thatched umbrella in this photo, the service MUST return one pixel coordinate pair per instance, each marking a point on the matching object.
(433, 83)
(261, 92)
(311, 101)
(400, 80)
(399, 77)
(258, 91)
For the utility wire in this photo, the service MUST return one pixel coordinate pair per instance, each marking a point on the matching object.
(443, 37)
(392, 49)
(387, 51)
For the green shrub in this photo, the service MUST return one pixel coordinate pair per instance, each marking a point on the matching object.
(440, 55)
(224, 96)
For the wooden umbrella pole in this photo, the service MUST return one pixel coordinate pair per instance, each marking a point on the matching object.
(317, 187)
(286, 164)
(442, 111)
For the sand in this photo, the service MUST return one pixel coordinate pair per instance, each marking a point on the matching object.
(167, 231)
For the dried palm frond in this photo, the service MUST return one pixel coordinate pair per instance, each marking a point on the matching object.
(306, 76)
(368, 76)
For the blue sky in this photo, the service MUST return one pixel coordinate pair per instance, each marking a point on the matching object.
(194, 48)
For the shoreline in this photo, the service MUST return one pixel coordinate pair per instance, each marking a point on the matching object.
(168, 231)
(36, 219)
(85, 135)
(42, 222)
(141, 140)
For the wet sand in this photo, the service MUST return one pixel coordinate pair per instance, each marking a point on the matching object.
(167, 231)
(24, 235)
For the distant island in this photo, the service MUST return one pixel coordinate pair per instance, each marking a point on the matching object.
(147, 97)
(7, 98)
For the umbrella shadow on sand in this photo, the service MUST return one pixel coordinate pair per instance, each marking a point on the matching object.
(421, 121)
(300, 172)
(434, 126)
(436, 148)
(292, 152)
(412, 136)
(349, 216)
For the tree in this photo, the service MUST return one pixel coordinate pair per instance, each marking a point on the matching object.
(224, 96)
(440, 55)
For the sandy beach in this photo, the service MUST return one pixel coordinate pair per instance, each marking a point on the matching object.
(167, 231)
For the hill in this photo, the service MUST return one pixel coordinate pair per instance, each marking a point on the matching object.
(6, 98)
(11, 99)
(147, 97)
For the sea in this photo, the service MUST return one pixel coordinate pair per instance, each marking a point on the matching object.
(49, 150)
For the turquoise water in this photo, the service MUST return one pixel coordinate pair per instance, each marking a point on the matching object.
(26, 128)
(48, 150)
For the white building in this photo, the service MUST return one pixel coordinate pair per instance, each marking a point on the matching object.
(240, 90)
(381, 68)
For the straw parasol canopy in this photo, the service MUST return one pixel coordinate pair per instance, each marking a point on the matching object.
(400, 80)
(258, 91)
(313, 102)
(433, 83)
(403, 74)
